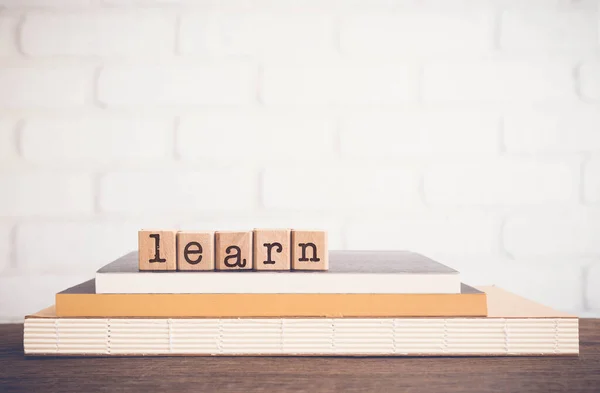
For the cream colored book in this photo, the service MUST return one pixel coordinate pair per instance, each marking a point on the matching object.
(349, 272)
(514, 326)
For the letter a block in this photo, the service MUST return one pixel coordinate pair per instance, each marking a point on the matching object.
(309, 250)
(233, 250)
(157, 250)
(272, 249)
(195, 251)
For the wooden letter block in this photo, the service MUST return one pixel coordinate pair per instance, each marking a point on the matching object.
(233, 250)
(195, 251)
(272, 249)
(309, 250)
(157, 250)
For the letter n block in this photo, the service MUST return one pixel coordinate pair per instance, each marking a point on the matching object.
(233, 250)
(195, 251)
(272, 249)
(309, 250)
(157, 250)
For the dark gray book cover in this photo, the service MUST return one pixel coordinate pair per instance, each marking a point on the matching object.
(340, 261)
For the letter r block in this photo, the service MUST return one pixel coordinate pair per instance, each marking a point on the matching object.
(272, 249)
(309, 250)
(233, 250)
(195, 251)
(156, 250)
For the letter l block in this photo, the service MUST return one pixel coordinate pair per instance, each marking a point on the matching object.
(157, 250)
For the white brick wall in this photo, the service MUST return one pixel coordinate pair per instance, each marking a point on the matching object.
(45, 194)
(591, 181)
(42, 246)
(8, 149)
(589, 80)
(45, 3)
(468, 132)
(505, 181)
(500, 81)
(560, 30)
(5, 245)
(592, 287)
(177, 191)
(258, 136)
(549, 131)
(7, 35)
(44, 87)
(71, 140)
(102, 34)
(418, 133)
(439, 32)
(338, 83)
(264, 34)
(553, 233)
(450, 234)
(177, 85)
(353, 187)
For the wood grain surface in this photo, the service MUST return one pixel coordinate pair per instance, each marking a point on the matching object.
(233, 250)
(316, 374)
(157, 250)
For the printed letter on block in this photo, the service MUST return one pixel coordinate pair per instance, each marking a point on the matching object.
(272, 249)
(195, 251)
(233, 250)
(309, 250)
(157, 250)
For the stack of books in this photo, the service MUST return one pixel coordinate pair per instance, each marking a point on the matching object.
(356, 303)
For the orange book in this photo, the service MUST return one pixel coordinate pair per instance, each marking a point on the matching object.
(83, 301)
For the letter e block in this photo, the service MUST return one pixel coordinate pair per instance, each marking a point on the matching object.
(309, 250)
(157, 250)
(272, 249)
(233, 250)
(195, 251)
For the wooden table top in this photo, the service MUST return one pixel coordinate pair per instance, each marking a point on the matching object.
(312, 374)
